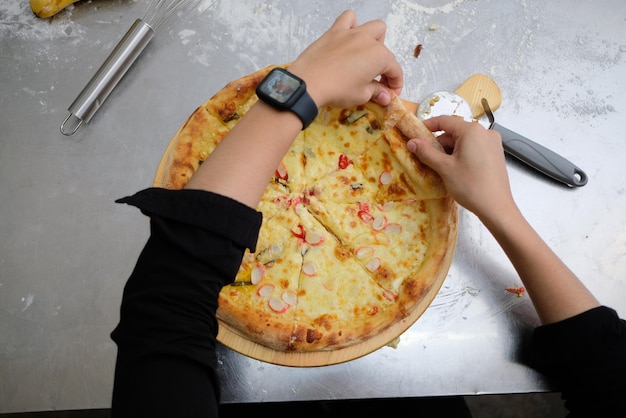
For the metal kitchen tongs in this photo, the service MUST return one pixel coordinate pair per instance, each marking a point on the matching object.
(537, 156)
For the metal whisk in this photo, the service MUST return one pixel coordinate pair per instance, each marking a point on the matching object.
(119, 61)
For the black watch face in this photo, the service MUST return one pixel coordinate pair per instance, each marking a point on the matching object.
(280, 86)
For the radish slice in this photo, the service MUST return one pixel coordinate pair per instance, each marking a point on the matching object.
(394, 228)
(266, 290)
(277, 305)
(373, 264)
(309, 269)
(313, 238)
(379, 223)
(275, 250)
(325, 116)
(364, 252)
(257, 274)
(388, 294)
(290, 297)
(385, 177)
(329, 285)
(386, 207)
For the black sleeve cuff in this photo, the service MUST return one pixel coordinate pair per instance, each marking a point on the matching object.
(202, 209)
(577, 338)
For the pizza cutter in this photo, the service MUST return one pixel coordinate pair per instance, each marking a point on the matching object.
(479, 95)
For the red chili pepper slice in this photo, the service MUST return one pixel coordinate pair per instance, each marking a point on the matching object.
(365, 216)
(344, 162)
(299, 233)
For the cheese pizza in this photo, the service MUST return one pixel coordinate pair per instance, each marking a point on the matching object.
(357, 234)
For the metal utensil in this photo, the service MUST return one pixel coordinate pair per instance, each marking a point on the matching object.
(479, 95)
(535, 155)
(118, 62)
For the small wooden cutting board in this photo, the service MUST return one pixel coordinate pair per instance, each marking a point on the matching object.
(473, 90)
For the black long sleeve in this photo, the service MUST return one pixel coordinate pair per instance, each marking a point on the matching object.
(586, 357)
(167, 331)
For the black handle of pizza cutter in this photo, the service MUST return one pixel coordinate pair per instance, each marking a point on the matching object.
(537, 156)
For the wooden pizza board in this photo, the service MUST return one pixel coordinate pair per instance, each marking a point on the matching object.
(473, 90)
(228, 336)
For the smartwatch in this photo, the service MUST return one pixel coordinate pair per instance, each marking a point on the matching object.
(284, 91)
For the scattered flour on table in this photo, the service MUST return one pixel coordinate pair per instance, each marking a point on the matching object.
(410, 24)
(279, 33)
(560, 59)
(507, 49)
(246, 33)
(27, 301)
(565, 67)
(429, 10)
(18, 20)
(185, 34)
(205, 5)
(19, 26)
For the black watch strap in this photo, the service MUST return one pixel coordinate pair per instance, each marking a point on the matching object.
(306, 109)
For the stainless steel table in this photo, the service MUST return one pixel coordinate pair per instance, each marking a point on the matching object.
(66, 249)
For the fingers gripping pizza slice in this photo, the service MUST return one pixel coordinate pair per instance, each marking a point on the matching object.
(357, 235)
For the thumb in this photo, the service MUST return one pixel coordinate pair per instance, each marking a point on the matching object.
(380, 95)
(427, 153)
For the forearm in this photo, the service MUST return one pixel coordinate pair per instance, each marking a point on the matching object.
(556, 292)
(581, 346)
(242, 165)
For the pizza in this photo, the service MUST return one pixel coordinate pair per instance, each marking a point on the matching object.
(357, 234)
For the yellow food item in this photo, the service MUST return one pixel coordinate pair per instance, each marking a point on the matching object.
(48, 8)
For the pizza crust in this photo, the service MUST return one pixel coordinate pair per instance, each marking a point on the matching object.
(402, 126)
(357, 235)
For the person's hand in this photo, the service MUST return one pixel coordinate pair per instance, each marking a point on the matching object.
(474, 172)
(342, 67)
